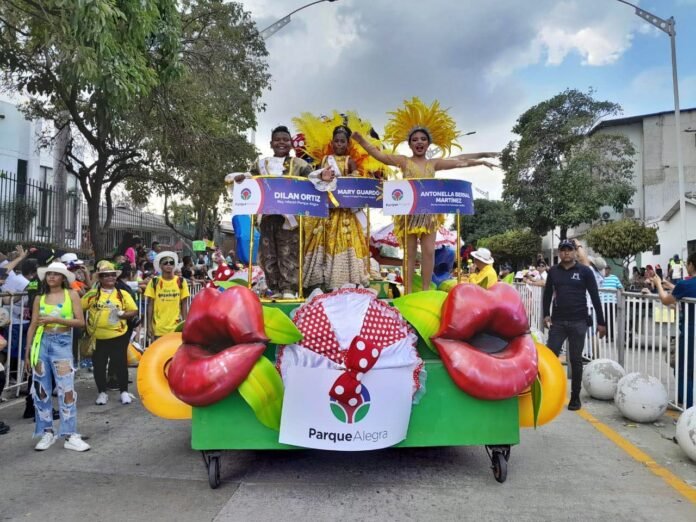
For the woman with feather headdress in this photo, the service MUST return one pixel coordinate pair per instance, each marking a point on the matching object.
(335, 249)
(421, 126)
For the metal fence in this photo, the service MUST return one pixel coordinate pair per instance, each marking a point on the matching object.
(29, 210)
(16, 375)
(643, 335)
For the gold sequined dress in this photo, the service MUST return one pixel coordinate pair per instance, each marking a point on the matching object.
(419, 223)
(336, 251)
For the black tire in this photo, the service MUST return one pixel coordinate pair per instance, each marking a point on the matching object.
(499, 465)
(214, 472)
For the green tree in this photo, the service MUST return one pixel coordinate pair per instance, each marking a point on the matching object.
(490, 218)
(623, 239)
(513, 246)
(89, 63)
(559, 173)
(198, 122)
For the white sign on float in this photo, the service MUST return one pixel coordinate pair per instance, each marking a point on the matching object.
(247, 198)
(399, 198)
(312, 419)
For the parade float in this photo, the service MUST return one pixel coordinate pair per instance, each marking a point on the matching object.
(346, 370)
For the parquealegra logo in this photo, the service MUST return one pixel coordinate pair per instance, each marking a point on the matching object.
(246, 194)
(351, 414)
(397, 195)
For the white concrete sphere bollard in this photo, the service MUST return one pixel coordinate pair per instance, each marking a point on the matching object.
(641, 398)
(686, 432)
(600, 377)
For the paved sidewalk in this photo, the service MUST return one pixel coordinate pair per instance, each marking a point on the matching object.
(142, 468)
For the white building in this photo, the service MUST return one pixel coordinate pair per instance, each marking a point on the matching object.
(28, 200)
(656, 201)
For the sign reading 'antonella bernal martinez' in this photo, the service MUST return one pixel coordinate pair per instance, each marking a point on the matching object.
(278, 195)
(427, 196)
(358, 192)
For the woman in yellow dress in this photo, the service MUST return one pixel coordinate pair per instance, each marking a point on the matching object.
(421, 126)
(336, 250)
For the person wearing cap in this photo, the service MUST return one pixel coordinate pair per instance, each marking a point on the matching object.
(166, 296)
(566, 285)
(109, 309)
(485, 275)
(49, 353)
(82, 280)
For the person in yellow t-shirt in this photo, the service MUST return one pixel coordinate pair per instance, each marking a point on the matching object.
(109, 310)
(166, 296)
(485, 276)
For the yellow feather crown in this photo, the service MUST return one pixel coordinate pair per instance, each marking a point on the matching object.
(415, 114)
(318, 135)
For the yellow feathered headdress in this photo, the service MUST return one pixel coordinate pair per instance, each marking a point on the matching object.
(318, 134)
(416, 115)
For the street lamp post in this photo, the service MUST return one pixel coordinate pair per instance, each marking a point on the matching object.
(273, 29)
(669, 27)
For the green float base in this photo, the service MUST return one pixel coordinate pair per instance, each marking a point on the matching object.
(445, 416)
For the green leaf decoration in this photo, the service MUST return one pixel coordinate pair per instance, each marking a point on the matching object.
(536, 399)
(180, 327)
(447, 285)
(263, 392)
(422, 310)
(279, 327)
(417, 284)
(228, 284)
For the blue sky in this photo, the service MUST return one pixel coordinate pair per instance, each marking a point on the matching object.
(487, 61)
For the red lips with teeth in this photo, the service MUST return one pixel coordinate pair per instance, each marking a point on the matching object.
(223, 338)
(468, 311)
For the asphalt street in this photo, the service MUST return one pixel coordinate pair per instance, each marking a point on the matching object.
(142, 468)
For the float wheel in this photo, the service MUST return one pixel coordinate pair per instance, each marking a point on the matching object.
(212, 464)
(499, 456)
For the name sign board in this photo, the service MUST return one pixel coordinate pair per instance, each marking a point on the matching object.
(427, 196)
(278, 195)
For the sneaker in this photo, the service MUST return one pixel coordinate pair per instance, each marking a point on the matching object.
(75, 443)
(102, 399)
(276, 295)
(126, 398)
(288, 295)
(574, 404)
(46, 441)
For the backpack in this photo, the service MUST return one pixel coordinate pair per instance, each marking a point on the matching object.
(179, 282)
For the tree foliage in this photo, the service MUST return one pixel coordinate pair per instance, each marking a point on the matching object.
(490, 218)
(559, 173)
(154, 90)
(513, 246)
(198, 122)
(623, 239)
(87, 64)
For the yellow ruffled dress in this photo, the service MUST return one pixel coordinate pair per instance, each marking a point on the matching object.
(419, 223)
(335, 248)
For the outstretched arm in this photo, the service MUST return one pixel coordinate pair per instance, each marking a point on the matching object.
(451, 163)
(394, 160)
(476, 155)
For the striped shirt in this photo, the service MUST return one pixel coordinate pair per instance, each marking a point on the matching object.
(613, 283)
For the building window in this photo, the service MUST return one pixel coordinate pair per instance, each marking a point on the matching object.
(656, 250)
(21, 178)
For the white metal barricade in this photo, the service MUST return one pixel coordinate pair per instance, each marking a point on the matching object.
(643, 335)
(14, 332)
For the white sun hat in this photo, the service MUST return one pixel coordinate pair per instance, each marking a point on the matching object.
(58, 268)
(159, 257)
(483, 255)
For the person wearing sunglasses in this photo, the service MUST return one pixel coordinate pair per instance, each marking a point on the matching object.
(109, 311)
(166, 295)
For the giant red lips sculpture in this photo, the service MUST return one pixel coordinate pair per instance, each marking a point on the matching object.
(468, 313)
(223, 338)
